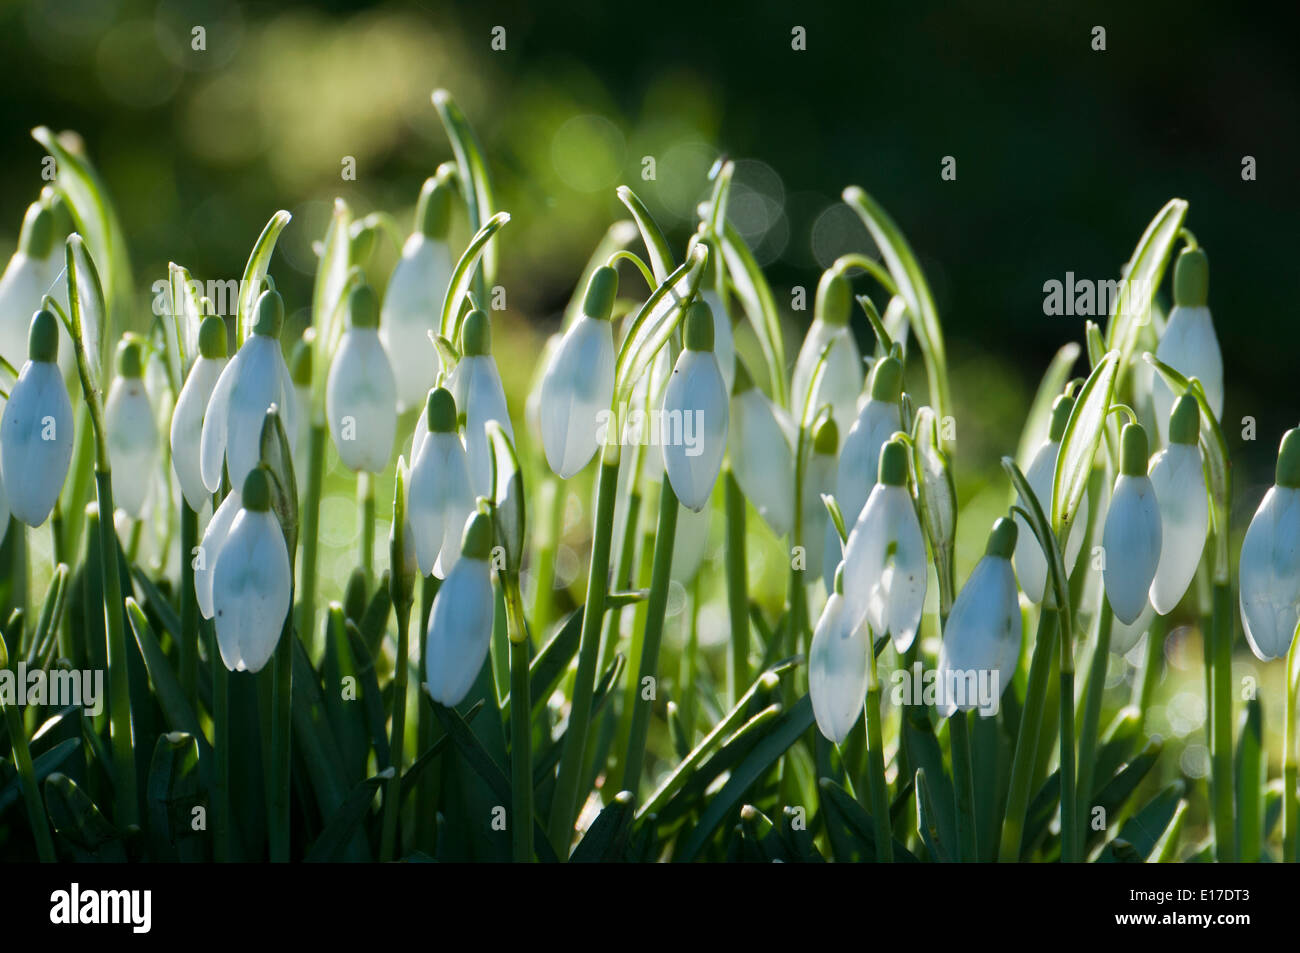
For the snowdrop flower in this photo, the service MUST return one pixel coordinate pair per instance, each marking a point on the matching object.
(1269, 570)
(460, 623)
(842, 380)
(1031, 563)
(878, 420)
(839, 667)
(884, 559)
(131, 430)
(192, 405)
(761, 457)
(254, 379)
(413, 301)
(724, 341)
(27, 278)
(1132, 534)
(36, 431)
(984, 629)
(438, 496)
(214, 536)
(695, 407)
(361, 394)
(579, 383)
(251, 581)
(1189, 343)
(819, 478)
(1178, 479)
(476, 385)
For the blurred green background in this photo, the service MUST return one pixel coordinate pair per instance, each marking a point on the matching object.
(1063, 154)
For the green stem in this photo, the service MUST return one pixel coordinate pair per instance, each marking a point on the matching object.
(564, 800)
(1222, 629)
(521, 728)
(963, 776)
(366, 525)
(397, 735)
(884, 835)
(1069, 788)
(656, 606)
(425, 788)
(1093, 691)
(189, 640)
(1031, 716)
(737, 585)
(119, 688)
(220, 748)
(1151, 666)
(27, 776)
(281, 743)
(622, 572)
(310, 517)
(550, 513)
(1290, 802)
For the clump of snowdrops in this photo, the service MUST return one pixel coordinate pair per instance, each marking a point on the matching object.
(460, 703)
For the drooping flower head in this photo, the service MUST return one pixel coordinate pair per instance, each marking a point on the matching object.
(460, 623)
(1030, 561)
(839, 667)
(1131, 538)
(761, 457)
(133, 444)
(438, 498)
(1189, 344)
(192, 406)
(476, 386)
(695, 414)
(841, 382)
(878, 420)
(1178, 478)
(27, 278)
(1269, 570)
(361, 394)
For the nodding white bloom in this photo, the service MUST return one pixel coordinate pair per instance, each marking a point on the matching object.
(191, 407)
(984, 629)
(1189, 343)
(1178, 479)
(476, 385)
(460, 623)
(724, 341)
(878, 420)
(839, 667)
(36, 431)
(438, 496)
(841, 382)
(884, 560)
(579, 383)
(1131, 537)
(823, 550)
(361, 394)
(254, 379)
(251, 581)
(214, 536)
(415, 296)
(695, 407)
(1031, 563)
(131, 430)
(1269, 570)
(761, 457)
(29, 276)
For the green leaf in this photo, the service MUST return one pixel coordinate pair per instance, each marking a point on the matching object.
(1037, 520)
(1040, 411)
(936, 494)
(87, 312)
(656, 245)
(371, 696)
(607, 837)
(1145, 830)
(43, 765)
(78, 820)
(277, 458)
(181, 324)
(760, 307)
(313, 736)
(926, 824)
(913, 288)
(845, 808)
(1132, 306)
(173, 791)
(507, 495)
(333, 841)
(1080, 440)
(551, 661)
(472, 168)
(259, 260)
(655, 323)
(45, 635)
(462, 277)
(924, 753)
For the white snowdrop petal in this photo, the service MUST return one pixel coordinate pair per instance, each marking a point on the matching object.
(480, 396)
(132, 443)
(577, 388)
(1179, 483)
(21, 288)
(1189, 345)
(724, 343)
(187, 428)
(411, 308)
(1269, 574)
(695, 418)
(214, 536)
(982, 637)
(884, 566)
(212, 440)
(1131, 541)
(1030, 562)
(361, 402)
(250, 591)
(860, 454)
(838, 671)
(36, 437)
(841, 381)
(762, 460)
(460, 630)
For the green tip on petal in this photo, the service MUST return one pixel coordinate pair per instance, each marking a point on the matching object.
(43, 338)
(826, 438)
(743, 381)
(834, 299)
(476, 335)
(1061, 410)
(1192, 278)
(300, 363)
(212, 337)
(257, 491)
(893, 464)
(1288, 460)
(1002, 538)
(887, 380)
(269, 314)
(440, 411)
(363, 307)
(477, 542)
(699, 327)
(433, 211)
(130, 359)
(601, 291)
(1133, 451)
(1185, 420)
(37, 237)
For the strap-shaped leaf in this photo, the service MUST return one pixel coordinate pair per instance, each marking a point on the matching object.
(473, 170)
(507, 495)
(936, 495)
(655, 323)
(656, 245)
(259, 261)
(275, 455)
(462, 277)
(1047, 539)
(87, 312)
(1079, 442)
(1132, 306)
(760, 307)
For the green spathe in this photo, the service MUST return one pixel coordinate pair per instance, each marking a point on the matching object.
(699, 327)
(269, 313)
(440, 411)
(1288, 460)
(601, 291)
(477, 541)
(1185, 420)
(834, 299)
(1002, 538)
(1133, 451)
(1192, 279)
(212, 338)
(893, 464)
(363, 308)
(887, 380)
(476, 335)
(43, 337)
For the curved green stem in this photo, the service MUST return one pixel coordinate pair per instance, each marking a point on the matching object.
(189, 640)
(397, 731)
(281, 753)
(884, 835)
(27, 775)
(1221, 634)
(521, 728)
(1069, 788)
(1031, 717)
(1290, 803)
(366, 524)
(310, 517)
(1090, 727)
(737, 585)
